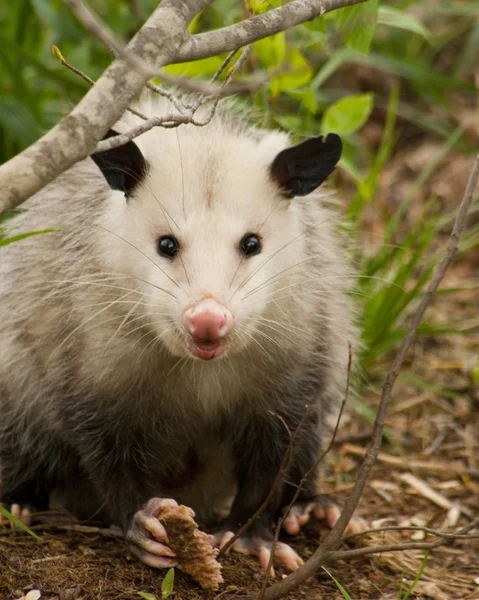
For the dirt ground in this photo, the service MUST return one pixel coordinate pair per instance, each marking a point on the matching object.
(427, 475)
(434, 437)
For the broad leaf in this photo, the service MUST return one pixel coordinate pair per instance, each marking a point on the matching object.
(347, 115)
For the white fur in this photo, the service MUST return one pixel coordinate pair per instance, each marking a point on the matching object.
(82, 308)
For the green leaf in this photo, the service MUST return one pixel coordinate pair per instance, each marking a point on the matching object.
(167, 585)
(147, 596)
(22, 236)
(307, 99)
(392, 17)
(356, 24)
(17, 522)
(298, 74)
(271, 51)
(347, 115)
(290, 123)
(196, 68)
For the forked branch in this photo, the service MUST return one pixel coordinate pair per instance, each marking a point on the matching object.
(327, 550)
(163, 40)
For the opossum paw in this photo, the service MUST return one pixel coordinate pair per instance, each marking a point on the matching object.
(23, 512)
(321, 508)
(261, 548)
(147, 538)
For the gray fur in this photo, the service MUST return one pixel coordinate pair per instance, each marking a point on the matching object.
(95, 388)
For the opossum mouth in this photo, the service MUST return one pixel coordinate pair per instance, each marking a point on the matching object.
(205, 349)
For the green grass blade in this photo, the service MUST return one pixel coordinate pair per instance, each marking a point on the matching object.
(8, 515)
(22, 236)
(418, 576)
(339, 586)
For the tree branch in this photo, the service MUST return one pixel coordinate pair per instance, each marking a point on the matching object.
(334, 537)
(77, 135)
(162, 40)
(204, 45)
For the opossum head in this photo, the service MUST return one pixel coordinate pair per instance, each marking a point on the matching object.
(207, 224)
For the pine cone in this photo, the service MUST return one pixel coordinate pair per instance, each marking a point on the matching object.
(192, 547)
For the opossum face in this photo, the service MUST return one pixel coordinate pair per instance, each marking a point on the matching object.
(210, 230)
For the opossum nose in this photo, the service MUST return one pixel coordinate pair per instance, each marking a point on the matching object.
(208, 320)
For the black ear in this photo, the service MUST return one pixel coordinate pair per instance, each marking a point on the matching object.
(299, 170)
(123, 167)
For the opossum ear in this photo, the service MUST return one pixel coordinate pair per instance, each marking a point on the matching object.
(299, 170)
(123, 167)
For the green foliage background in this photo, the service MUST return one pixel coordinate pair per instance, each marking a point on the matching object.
(422, 58)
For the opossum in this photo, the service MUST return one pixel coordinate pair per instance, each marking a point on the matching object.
(189, 312)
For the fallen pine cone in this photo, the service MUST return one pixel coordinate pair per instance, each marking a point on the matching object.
(192, 547)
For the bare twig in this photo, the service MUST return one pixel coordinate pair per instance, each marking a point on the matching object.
(332, 540)
(204, 45)
(172, 120)
(437, 532)
(103, 531)
(304, 479)
(95, 25)
(285, 464)
(227, 82)
(454, 466)
(162, 40)
(57, 54)
(77, 135)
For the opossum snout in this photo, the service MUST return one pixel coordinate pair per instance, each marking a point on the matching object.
(208, 321)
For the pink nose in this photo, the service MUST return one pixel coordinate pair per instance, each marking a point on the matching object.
(208, 320)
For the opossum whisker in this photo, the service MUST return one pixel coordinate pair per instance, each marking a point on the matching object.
(289, 327)
(154, 337)
(272, 340)
(150, 191)
(200, 377)
(236, 272)
(99, 284)
(282, 334)
(163, 208)
(83, 324)
(180, 360)
(125, 319)
(182, 174)
(145, 324)
(313, 292)
(242, 332)
(148, 258)
(155, 340)
(270, 257)
(135, 302)
(333, 278)
(259, 229)
(273, 277)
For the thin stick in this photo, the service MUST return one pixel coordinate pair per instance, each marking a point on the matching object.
(57, 54)
(285, 464)
(436, 532)
(304, 480)
(334, 537)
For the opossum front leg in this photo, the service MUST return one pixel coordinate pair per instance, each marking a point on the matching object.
(310, 503)
(147, 538)
(259, 454)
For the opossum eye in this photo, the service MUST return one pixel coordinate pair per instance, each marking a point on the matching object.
(250, 245)
(168, 246)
